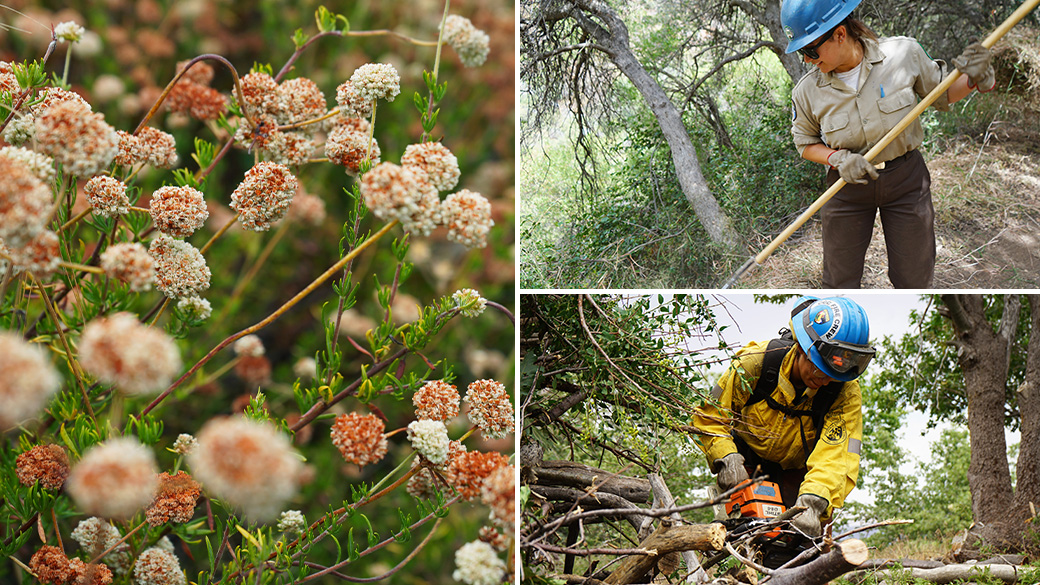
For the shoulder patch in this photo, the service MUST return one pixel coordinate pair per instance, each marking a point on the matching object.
(834, 432)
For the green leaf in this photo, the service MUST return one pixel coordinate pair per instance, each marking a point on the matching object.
(299, 38)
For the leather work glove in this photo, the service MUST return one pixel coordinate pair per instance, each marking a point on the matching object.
(809, 520)
(977, 63)
(852, 167)
(731, 471)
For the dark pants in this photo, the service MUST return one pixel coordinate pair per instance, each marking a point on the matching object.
(788, 480)
(902, 192)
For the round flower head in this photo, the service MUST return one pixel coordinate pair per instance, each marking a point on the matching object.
(21, 129)
(195, 307)
(53, 96)
(250, 345)
(469, 301)
(430, 439)
(185, 444)
(114, 479)
(107, 196)
(38, 164)
(28, 381)
(424, 485)
(468, 217)
(41, 255)
(178, 211)
(359, 437)
(180, 269)
(346, 146)
(436, 160)
(436, 400)
(130, 263)
(69, 31)
(130, 151)
(396, 192)
(196, 100)
(470, 43)
(47, 464)
(490, 408)
(260, 91)
(50, 565)
(175, 499)
(200, 72)
(264, 195)
(157, 566)
(307, 208)
(121, 350)
(374, 81)
(351, 104)
(158, 148)
(498, 493)
(292, 522)
(470, 469)
(77, 138)
(301, 100)
(96, 535)
(25, 203)
(253, 370)
(477, 564)
(248, 464)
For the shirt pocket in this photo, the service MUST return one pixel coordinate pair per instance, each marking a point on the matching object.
(834, 127)
(892, 106)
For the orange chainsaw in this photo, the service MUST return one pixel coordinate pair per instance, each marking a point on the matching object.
(759, 512)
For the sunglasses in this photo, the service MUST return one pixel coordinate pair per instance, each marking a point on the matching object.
(810, 50)
(840, 356)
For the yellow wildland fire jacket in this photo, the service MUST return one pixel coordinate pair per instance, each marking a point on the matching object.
(833, 465)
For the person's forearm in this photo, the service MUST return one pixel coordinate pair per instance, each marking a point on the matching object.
(818, 153)
(959, 90)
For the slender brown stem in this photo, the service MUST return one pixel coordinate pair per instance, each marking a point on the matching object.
(76, 219)
(389, 573)
(117, 543)
(272, 317)
(217, 235)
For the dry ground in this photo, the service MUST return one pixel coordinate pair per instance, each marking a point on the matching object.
(986, 192)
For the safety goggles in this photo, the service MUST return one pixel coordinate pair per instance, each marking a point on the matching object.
(839, 356)
(810, 50)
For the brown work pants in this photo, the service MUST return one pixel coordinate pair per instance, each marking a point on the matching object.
(902, 192)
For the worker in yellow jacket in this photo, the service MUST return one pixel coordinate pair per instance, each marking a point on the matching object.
(768, 409)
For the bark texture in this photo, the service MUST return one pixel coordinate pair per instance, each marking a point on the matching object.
(668, 539)
(1028, 467)
(958, 573)
(569, 473)
(845, 557)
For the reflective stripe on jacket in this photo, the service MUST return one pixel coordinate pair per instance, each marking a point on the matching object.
(832, 467)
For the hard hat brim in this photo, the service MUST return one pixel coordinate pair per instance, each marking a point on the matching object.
(832, 21)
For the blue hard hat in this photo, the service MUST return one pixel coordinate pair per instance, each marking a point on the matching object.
(835, 334)
(806, 20)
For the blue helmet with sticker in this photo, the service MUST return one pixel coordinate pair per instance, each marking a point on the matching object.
(806, 20)
(835, 334)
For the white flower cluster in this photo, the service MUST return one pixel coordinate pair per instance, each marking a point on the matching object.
(158, 566)
(114, 479)
(469, 301)
(374, 81)
(180, 269)
(129, 262)
(436, 160)
(95, 535)
(264, 194)
(195, 307)
(250, 345)
(430, 439)
(470, 43)
(395, 192)
(477, 564)
(185, 444)
(38, 164)
(28, 381)
(69, 31)
(292, 522)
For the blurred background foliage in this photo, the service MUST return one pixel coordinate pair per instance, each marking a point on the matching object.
(131, 53)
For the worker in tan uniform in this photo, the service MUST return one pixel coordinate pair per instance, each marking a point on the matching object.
(791, 408)
(860, 88)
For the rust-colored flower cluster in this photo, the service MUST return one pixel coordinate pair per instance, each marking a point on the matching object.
(192, 95)
(77, 138)
(180, 269)
(349, 143)
(174, 500)
(472, 468)
(114, 479)
(47, 464)
(498, 494)
(359, 437)
(107, 196)
(436, 400)
(50, 565)
(178, 211)
(490, 408)
(402, 193)
(130, 263)
(120, 350)
(264, 194)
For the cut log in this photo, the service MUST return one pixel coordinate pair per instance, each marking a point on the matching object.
(664, 540)
(844, 557)
(560, 473)
(664, 499)
(905, 563)
(960, 572)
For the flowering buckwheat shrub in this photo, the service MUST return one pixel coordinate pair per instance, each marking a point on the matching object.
(159, 219)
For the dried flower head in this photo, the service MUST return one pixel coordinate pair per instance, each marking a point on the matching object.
(157, 566)
(25, 202)
(40, 255)
(260, 91)
(114, 479)
(175, 499)
(200, 72)
(351, 104)
(430, 439)
(47, 464)
(469, 302)
(95, 535)
(471, 468)
(185, 444)
(50, 565)
(178, 211)
(130, 263)
(301, 100)
(490, 408)
(107, 196)
(292, 522)
(498, 494)
(307, 208)
(476, 563)
(77, 138)
(347, 146)
(468, 217)
(359, 437)
(195, 307)
(121, 350)
(436, 400)
(38, 164)
(158, 148)
(395, 192)
(424, 484)
(374, 81)
(470, 43)
(249, 345)
(180, 269)
(85, 574)
(69, 32)
(436, 160)
(53, 96)
(249, 464)
(28, 381)
(130, 152)
(197, 100)
(264, 195)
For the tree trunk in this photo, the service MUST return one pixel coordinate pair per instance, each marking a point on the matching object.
(1027, 485)
(668, 539)
(612, 35)
(569, 473)
(767, 14)
(844, 557)
(983, 358)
